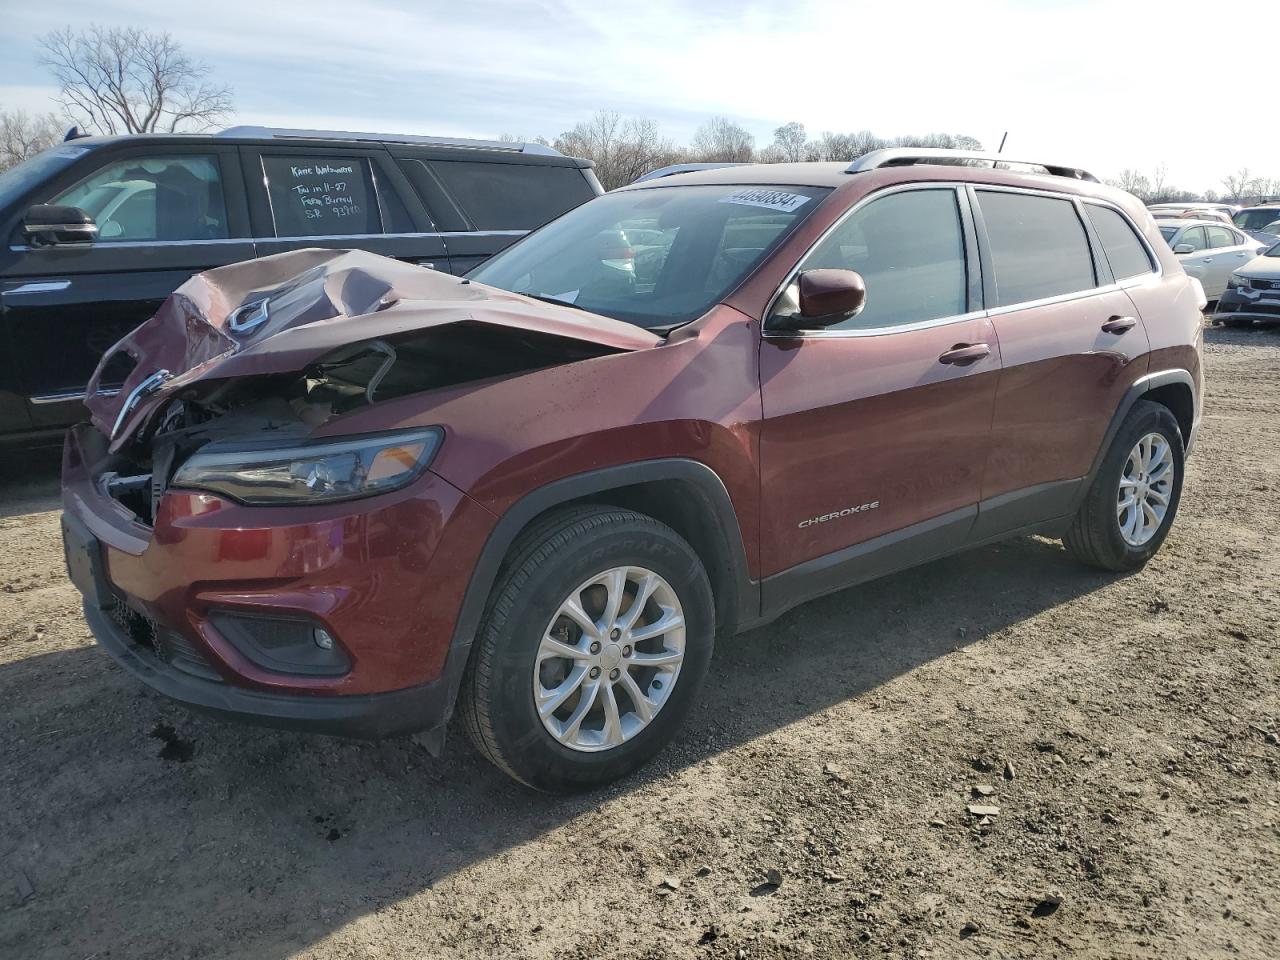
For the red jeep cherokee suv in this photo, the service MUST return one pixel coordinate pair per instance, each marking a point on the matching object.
(344, 493)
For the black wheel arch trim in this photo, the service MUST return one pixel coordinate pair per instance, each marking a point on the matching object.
(741, 607)
(1137, 390)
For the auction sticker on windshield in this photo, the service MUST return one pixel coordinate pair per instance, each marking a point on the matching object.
(770, 199)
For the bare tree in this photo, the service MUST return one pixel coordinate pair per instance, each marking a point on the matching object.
(790, 143)
(1239, 185)
(722, 140)
(23, 135)
(622, 148)
(129, 80)
(1159, 180)
(1131, 181)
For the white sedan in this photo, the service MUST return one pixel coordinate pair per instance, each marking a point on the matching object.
(1209, 251)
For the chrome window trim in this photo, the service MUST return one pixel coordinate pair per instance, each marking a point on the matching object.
(136, 244)
(765, 333)
(38, 286)
(957, 185)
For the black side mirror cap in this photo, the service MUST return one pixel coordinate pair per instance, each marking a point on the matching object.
(46, 224)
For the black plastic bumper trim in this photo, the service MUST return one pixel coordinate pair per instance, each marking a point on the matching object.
(363, 716)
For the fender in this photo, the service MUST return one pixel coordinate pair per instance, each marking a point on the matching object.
(1136, 391)
(741, 607)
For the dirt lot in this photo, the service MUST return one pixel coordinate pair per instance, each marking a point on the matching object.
(1126, 727)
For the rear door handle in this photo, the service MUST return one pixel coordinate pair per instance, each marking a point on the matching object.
(1119, 324)
(963, 354)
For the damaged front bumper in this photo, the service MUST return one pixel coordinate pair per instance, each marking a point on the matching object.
(379, 581)
(1260, 305)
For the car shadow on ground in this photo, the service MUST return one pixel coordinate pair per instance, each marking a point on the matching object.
(29, 480)
(122, 800)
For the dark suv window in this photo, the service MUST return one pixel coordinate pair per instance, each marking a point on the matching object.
(321, 196)
(1038, 246)
(153, 198)
(510, 196)
(1125, 252)
(909, 248)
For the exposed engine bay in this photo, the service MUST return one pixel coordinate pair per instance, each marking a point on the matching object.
(280, 409)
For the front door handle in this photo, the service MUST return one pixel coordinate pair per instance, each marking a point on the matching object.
(1207, 260)
(1119, 324)
(963, 354)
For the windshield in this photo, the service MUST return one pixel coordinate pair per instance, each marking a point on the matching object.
(16, 181)
(1256, 219)
(1168, 232)
(655, 257)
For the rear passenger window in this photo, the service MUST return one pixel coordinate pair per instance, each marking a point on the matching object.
(321, 196)
(1221, 237)
(1038, 246)
(511, 196)
(909, 248)
(1125, 252)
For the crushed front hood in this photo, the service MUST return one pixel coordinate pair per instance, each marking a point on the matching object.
(316, 301)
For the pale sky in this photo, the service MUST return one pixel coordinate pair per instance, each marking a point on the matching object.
(1102, 85)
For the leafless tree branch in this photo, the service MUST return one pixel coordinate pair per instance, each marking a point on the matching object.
(130, 80)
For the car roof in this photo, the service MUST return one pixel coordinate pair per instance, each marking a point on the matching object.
(480, 150)
(838, 173)
(1194, 222)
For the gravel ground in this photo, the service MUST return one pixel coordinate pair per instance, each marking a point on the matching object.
(1126, 728)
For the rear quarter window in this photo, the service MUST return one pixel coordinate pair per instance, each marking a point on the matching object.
(511, 196)
(1038, 246)
(1124, 251)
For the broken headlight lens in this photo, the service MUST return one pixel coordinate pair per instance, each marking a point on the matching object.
(312, 472)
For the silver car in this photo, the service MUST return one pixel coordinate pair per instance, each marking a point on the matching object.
(1253, 292)
(1209, 251)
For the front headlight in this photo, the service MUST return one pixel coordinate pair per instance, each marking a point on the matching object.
(1238, 282)
(313, 472)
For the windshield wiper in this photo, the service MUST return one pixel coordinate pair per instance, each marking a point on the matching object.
(556, 300)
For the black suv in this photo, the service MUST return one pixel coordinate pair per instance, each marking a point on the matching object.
(100, 230)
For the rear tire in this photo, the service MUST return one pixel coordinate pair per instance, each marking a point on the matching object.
(1143, 469)
(557, 693)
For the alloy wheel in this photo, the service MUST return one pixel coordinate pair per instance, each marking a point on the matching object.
(609, 659)
(1146, 486)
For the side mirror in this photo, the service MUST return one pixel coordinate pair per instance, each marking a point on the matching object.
(1184, 248)
(47, 224)
(825, 297)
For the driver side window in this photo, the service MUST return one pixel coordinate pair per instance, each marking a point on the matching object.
(909, 248)
(153, 198)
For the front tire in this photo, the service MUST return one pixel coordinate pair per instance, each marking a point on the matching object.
(1133, 500)
(596, 639)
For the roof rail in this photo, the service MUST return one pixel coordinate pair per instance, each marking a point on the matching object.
(907, 156)
(675, 168)
(280, 133)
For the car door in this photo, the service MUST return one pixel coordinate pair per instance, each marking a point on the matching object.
(1228, 250)
(875, 431)
(1071, 343)
(164, 212)
(340, 196)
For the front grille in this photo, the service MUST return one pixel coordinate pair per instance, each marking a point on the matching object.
(164, 645)
(1265, 284)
